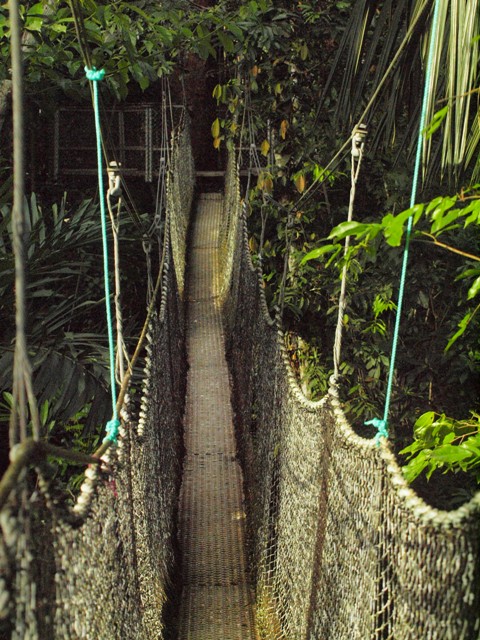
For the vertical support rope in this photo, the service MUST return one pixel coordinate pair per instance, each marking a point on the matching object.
(358, 142)
(95, 77)
(122, 354)
(382, 425)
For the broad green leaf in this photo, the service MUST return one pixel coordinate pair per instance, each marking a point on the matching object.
(34, 24)
(393, 229)
(450, 454)
(443, 222)
(217, 92)
(314, 254)
(468, 273)
(349, 228)
(449, 438)
(226, 41)
(433, 204)
(236, 31)
(216, 128)
(417, 465)
(36, 9)
(474, 289)
(425, 420)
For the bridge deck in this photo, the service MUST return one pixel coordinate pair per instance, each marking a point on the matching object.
(216, 599)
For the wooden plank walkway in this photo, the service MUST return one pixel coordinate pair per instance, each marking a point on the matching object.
(216, 598)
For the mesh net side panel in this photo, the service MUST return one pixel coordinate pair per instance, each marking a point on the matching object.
(105, 571)
(340, 546)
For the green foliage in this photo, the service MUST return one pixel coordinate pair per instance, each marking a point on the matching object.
(308, 364)
(66, 329)
(442, 215)
(133, 41)
(443, 444)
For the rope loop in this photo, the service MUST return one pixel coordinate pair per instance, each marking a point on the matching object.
(381, 426)
(94, 74)
(111, 429)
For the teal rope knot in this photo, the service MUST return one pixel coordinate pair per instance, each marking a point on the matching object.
(382, 428)
(95, 75)
(112, 430)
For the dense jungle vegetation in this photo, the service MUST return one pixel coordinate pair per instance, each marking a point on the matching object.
(292, 82)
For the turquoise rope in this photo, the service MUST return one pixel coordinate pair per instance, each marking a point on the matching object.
(382, 425)
(95, 76)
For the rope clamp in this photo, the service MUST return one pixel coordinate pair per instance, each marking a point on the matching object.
(114, 180)
(147, 244)
(359, 134)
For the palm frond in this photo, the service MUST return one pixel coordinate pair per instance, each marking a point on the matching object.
(68, 381)
(66, 332)
(371, 40)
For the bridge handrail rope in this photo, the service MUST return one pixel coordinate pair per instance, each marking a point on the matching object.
(95, 76)
(22, 390)
(382, 424)
(114, 200)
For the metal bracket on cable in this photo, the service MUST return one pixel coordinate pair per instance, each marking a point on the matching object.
(114, 180)
(161, 196)
(359, 134)
(147, 247)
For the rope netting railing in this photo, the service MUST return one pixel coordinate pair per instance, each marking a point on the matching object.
(105, 569)
(340, 546)
(179, 201)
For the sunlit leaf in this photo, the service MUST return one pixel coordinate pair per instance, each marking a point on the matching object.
(216, 128)
(314, 254)
(474, 289)
(265, 148)
(300, 183)
(435, 123)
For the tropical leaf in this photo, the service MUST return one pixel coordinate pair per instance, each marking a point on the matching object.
(66, 323)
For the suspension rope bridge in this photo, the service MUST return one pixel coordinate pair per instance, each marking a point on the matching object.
(229, 507)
